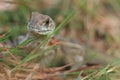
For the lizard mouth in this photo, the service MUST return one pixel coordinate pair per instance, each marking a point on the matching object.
(42, 32)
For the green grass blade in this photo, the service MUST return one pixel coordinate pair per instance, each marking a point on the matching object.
(7, 35)
(32, 57)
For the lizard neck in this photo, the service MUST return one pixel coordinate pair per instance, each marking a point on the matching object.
(41, 37)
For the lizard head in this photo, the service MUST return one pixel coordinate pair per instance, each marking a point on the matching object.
(40, 24)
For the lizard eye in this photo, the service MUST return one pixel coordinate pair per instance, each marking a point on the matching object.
(47, 21)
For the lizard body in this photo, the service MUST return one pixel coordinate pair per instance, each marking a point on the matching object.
(41, 25)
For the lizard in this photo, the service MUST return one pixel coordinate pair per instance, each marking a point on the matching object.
(41, 25)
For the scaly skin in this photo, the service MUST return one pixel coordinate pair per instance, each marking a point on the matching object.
(41, 25)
